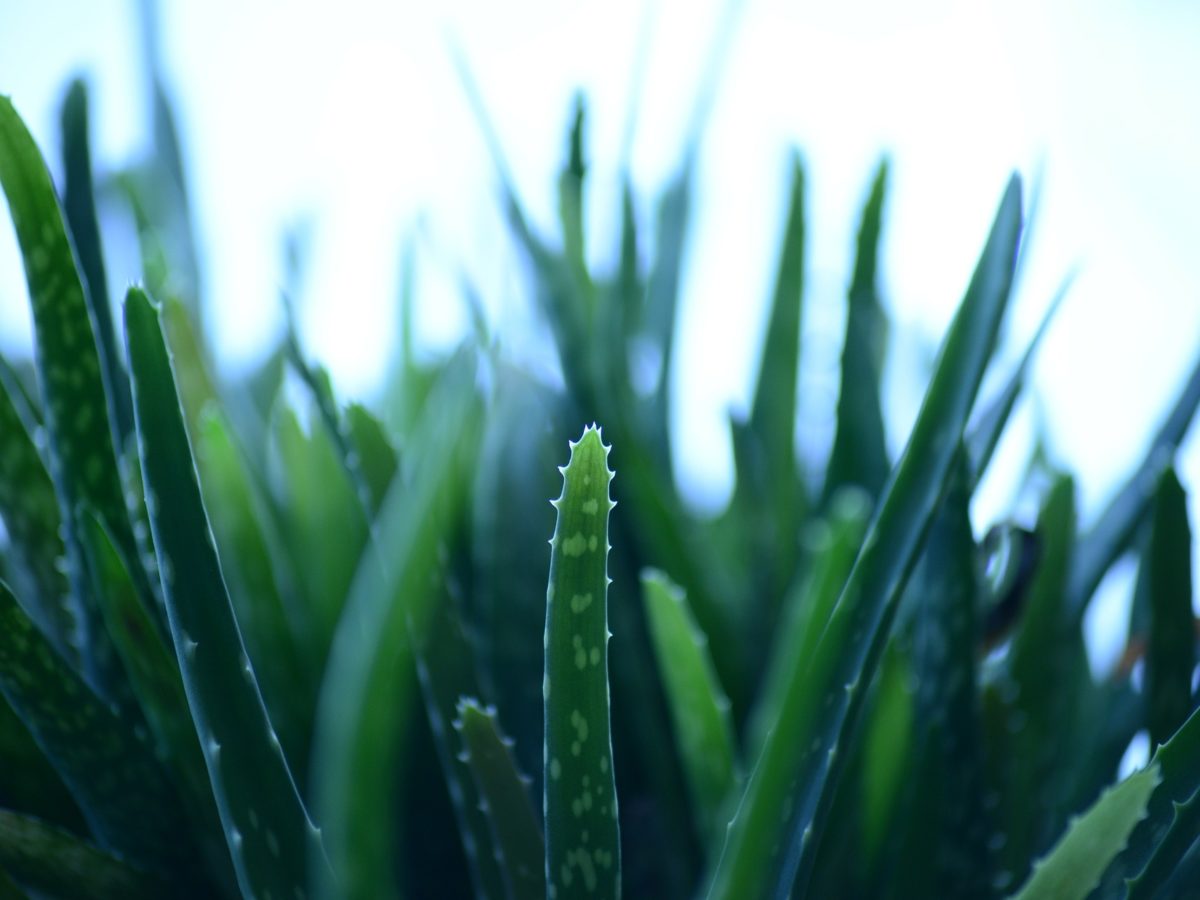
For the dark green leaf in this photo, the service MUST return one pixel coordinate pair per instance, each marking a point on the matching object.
(859, 453)
(79, 204)
(798, 771)
(83, 461)
(124, 794)
(520, 848)
(58, 864)
(270, 837)
(366, 693)
(1171, 651)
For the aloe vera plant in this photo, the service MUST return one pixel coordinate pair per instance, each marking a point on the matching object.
(257, 642)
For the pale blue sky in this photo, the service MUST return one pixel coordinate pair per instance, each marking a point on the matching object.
(356, 122)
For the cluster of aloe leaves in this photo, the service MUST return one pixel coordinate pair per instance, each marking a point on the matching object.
(257, 642)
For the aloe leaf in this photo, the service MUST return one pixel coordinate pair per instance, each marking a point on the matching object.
(699, 708)
(832, 544)
(314, 497)
(1044, 684)
(774, 836)
(446, 673)
(376, 456)
(662, 296)
(133, 810)
(1111, 533)
(28, 782)
(1171, 651)
(570, 205)
(1078, 860)
(58, 864)
(859, 453)
(949, 852)
(767, 471)
(510, 556)
(79, 205)
(317, 381)
(249, 561)
(1165, 826)
(505, 792)
(583, 852)
(197, 388)
(83, 461)
(19, 382)
(366, 693)
(267, 829)
(987, 428)
(154, 676)
(31, 517)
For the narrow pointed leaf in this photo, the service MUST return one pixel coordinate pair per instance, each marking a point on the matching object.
(58, 864)
(987, 428)
(1164, 835)
(583, 851)
(133, 810)
(1110, 535)
(859, 453)
(699, 708)
(367, 691)
(520, 848)
(1171, 652)
(83, 461)
(1077, 861)
(31, 517)
(832, 546)
(153, 674)
(79, 205)
(249, 564)
(798, 771)
(266, 827)
(446, 673)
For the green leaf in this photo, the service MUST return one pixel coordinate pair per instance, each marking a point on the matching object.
(570, 206)
(1110, 535)
(1171, 651)
(699, 708)
(58, 864)
(583, 852)
(266, 827)
(1162, 838)
(859, 453)
(249, 554)
(124, 794)
(315, 497)
(79, 205)
(31, 518)
(987, 428)
(774, 836)
(1040, 691)
(510, 556)
(832, 544)
(768, 479)
(948, 851)
(366, 693)
(376, 456)
(505, 792)
(156, 682)
(1078, 860)
(83, 462)
(446, 672)
(28, 783)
